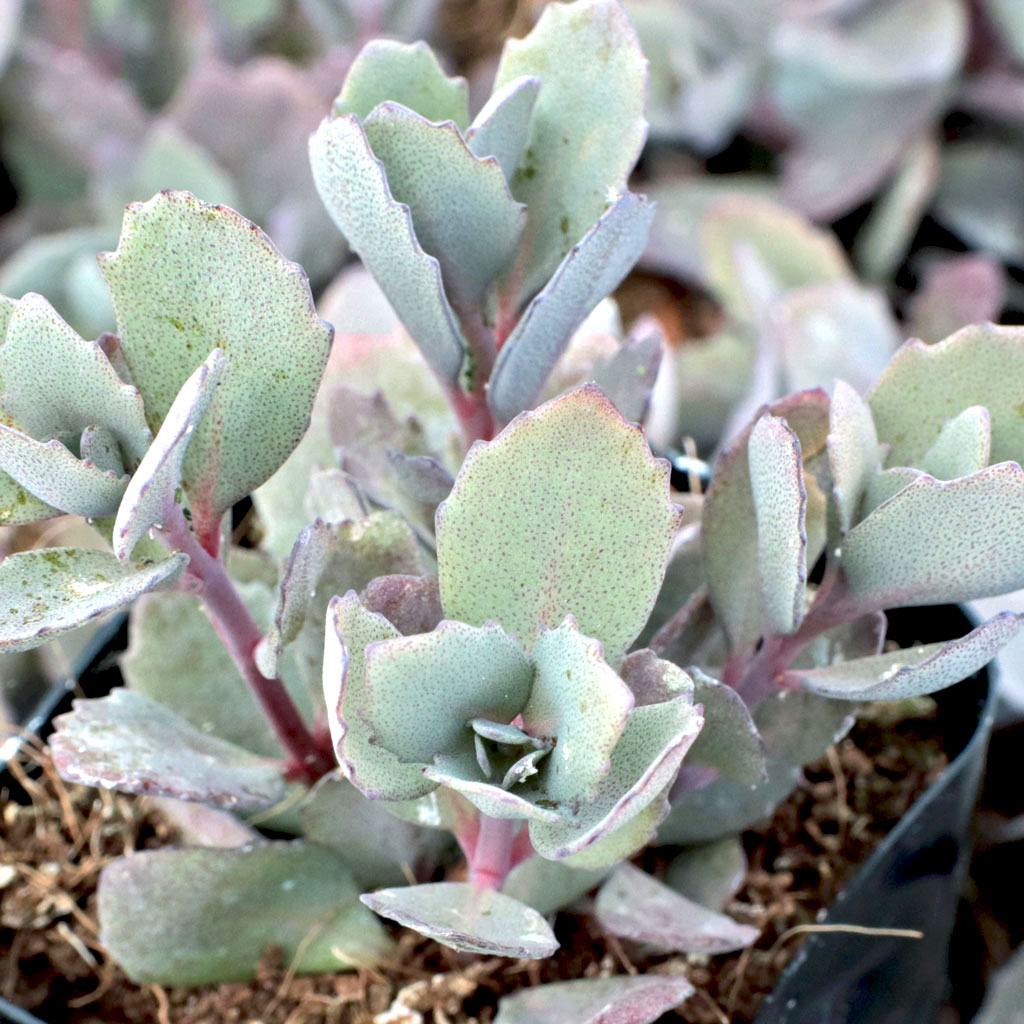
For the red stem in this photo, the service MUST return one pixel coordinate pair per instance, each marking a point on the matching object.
(241, 635)
(491, 858)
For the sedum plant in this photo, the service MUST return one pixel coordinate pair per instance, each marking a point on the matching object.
(511, 652)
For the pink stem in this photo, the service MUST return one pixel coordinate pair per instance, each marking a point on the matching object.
(491, 859)
(241, 635)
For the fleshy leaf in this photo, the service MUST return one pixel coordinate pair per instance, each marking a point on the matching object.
(729, 741)
(590, 270)
(964, 289)
(897, 675)
(412, 604)
(462, 917)
(962, 447)
(52, 474)
(729, 522)
(48, 591)
(463, 774)
(633, 905)
(377, 772)
(379, 848)
(628, 377)
(653, 679)
(780, 506)
(579, 497)
(353, 186)
(503, 124)
(420, 692)
(926, 385)
(549, 885)
(882, 486)
(128, 742)
(462, 211)
(56, 384)
(853, 452)
(586, 132)
(922, 546)
(407, 73)
(197, 916)
(711, 874)
(421, 478)
(98, 445)
(150, 495)
(644, 762)
(617, 1000)
(234, 291)
(18, 506)
(580, 703)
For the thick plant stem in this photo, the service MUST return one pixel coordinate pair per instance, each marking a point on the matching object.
(471, 407)
(240, 635)
(474, 414)
(492, 856)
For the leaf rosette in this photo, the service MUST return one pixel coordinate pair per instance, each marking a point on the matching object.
(551, 550)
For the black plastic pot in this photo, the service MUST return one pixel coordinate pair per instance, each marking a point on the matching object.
(912, 881)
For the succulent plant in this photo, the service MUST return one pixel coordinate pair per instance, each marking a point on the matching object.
(512, 637)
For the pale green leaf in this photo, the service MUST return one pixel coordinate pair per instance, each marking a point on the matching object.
(353, 185)
(882, 486)
(780, 507)
(652, 679)
(462, 773)
(633, 905)
(375, 771)
(408, 73)
(98, 445)
(911, 672)
(466, 918)
(591, 269)
(586, 132)
(151, 494)
(853, 452)
(47, 591)
(644, 762)
(563, 496)
(420, 692)
(197, 916)
(710, 874)
(622, 999)
(188, 278)
(502, 127)
(729, 741)
(926, 385)
(937, 542)
(18, 506)
(50, 472)
(962, 447)
(129, 742)
(548, 885)
(462, 211)
(56, 384)
(628, 376)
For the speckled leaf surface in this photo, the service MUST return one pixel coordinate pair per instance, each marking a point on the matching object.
(129, 742)
(780, 508)
(421, 691)
(188, 278)
(412, 604)
(962, 447)
(926, 385)
(462, 773)
(644, 762)
(407, 73)
(176, 657)
(56, 384)
(462, 917)
(729, 741)
(503, 124)
(740, 230)
(549, 885)
(50, 472)
(563, 496)
(375, 771)
(710, 874)
(48, 591)
(220, 908)
(652, 679)
(729, 524)
(897, 675)
(937, 542)
(462, 211)
(150, 495)
(353, 185)
(18, 506)
(591, 269)
(628, 377)
(619, 1000)
(883, 486)
(853, 452)
(578, 700)
(586, 132)
(379, 848)
(633, 905)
